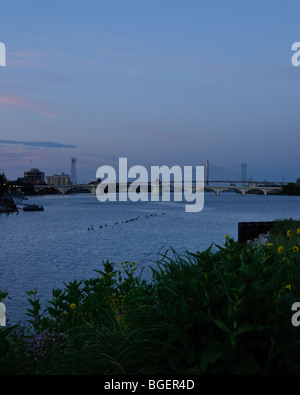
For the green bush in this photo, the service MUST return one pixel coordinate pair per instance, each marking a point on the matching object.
(226, 310)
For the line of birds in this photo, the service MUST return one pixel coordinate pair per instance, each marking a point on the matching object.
(125, 222)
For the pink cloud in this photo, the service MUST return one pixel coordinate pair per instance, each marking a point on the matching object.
(16, 103)
(26, 58)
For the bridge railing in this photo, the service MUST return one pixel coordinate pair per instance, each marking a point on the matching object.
(247, 183)
(167, 186)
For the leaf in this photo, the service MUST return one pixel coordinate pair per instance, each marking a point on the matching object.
(247, 364)
(224, 285)
(222, 326)
(213, 351)
(244, 329)
(4, 344)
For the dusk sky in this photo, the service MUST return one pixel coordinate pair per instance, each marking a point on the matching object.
(160, 82)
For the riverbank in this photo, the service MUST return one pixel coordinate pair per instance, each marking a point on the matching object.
(226, 311)
(7, 204)
(291, 189)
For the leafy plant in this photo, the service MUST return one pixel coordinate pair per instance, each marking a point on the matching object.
(225, 310)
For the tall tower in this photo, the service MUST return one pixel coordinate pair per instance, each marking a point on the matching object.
(244, 172)
(207, 171)
(74, 171)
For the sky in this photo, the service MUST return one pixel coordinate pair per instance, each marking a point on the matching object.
(159, 82)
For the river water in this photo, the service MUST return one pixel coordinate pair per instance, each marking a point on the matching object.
(75, 233)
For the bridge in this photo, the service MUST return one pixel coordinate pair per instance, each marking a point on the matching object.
(217, 187)
(65, 189)
(241, 187)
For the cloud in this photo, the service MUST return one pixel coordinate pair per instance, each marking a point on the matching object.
(25, 58)
(9, 102)
(14, 155)
(43, 144)
(104, 156)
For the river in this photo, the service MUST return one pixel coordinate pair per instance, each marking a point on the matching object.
(75, 233)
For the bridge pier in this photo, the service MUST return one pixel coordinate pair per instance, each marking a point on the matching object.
(216, 190)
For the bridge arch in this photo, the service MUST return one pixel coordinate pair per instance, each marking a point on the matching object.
(47, 190)
(245, 190)
(217, 190)
(74, 189)
(65, 189)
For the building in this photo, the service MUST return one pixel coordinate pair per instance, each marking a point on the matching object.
(59, 180)
(34, 176)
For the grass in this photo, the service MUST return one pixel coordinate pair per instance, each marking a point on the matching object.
(226, 311)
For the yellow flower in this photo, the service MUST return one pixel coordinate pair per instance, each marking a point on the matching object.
(280, 249)
(289, 287)
(289, 233)
(298, 231)
(296, 249)
(226, 237)
(270, 245)
(73, 306)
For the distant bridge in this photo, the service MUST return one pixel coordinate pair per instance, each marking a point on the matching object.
(91, 188)
(242, 187)
(216, 186)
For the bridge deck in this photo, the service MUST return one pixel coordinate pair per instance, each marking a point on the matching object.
(218, 187)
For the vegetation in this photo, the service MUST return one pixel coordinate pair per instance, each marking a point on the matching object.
(291, 189)
(3, 184)
(226, 310)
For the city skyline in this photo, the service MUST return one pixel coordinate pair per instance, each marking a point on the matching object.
(213, 173)
(160, 83)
